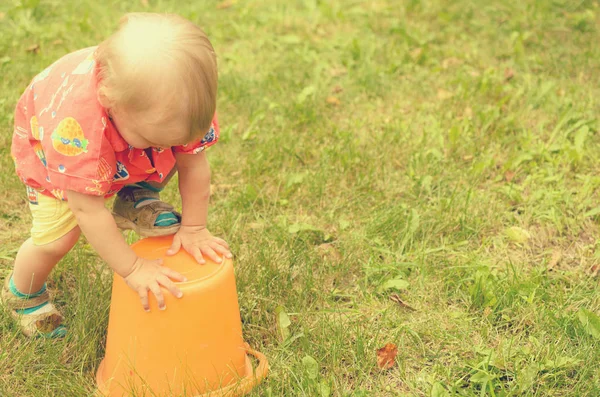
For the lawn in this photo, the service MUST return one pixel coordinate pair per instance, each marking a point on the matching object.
(416, 172)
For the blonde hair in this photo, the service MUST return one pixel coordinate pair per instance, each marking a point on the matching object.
(159, 59)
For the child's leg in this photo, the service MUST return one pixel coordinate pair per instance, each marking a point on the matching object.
(35, 262)
(138, 207)
(24, 294)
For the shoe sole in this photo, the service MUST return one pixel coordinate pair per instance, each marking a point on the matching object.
(157, 231)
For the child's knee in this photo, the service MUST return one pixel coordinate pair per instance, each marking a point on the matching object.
(63, 245)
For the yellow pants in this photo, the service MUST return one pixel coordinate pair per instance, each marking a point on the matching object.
(52, 218)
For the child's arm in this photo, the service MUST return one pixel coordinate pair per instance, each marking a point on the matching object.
(194, 187)
(98, 226)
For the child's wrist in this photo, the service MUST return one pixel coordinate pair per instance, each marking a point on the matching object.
(193, 225)
(127, 270)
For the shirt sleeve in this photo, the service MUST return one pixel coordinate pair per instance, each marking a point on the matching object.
(80, 157)
(211, 137)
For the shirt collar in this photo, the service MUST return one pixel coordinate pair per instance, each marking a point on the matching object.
(116, 140)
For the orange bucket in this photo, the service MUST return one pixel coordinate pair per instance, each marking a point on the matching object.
(193, 348)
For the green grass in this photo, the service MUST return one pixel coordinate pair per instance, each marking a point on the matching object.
(461, 157)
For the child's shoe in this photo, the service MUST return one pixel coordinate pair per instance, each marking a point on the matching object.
(140, 209)
(36, 315)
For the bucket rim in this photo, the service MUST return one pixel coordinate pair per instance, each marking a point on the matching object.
(237, 389)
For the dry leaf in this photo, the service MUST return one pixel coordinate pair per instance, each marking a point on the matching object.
(594, 270)
(337, 89)
(443, 94)
(508, 74)
(396, 298)
(256, 225)
(333, 101)
(35, 48)
(509, 175)
(468, 157)
(328, 251)
(336, 72)
(555, 260)
(386, 356)
(224, 4)
(57, 42)
(144, 3)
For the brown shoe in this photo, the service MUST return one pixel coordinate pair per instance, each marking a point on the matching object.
(138, 209)
(43, 322)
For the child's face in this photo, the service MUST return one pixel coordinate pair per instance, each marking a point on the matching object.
(142, 135)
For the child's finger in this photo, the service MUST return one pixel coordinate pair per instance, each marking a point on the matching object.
(143, 293)
(155, 288)
(169, 285)
(222, 242)
(173, 275)
(197, 254)
(209, 252)
(175, 247)
(221, 250)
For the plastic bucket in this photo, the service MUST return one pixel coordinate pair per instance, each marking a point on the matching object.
(193, 348)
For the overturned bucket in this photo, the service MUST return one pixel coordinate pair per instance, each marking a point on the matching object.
(193, 348)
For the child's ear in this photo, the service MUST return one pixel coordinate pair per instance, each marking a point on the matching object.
(104, 101)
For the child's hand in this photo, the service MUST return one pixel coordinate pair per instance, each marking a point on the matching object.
(150, 275)
(199, 242)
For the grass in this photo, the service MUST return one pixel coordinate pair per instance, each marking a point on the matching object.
(442, 151)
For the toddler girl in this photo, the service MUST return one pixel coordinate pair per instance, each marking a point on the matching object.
(120, 118)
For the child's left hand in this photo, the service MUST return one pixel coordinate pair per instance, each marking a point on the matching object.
(199, 242)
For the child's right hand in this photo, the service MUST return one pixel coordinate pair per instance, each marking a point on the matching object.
(98, 225)
(150, 275)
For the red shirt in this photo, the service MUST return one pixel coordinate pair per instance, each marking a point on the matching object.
(64, 140)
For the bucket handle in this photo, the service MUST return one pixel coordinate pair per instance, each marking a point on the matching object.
(245, 385)
(263, 366)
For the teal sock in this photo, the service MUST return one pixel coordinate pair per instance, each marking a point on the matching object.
(164, 219)
(19, 294)
(13, 289)
(59, 332)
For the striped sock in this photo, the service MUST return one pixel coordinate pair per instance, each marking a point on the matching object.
(164, 219)
(43, 308)
(13, 289)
